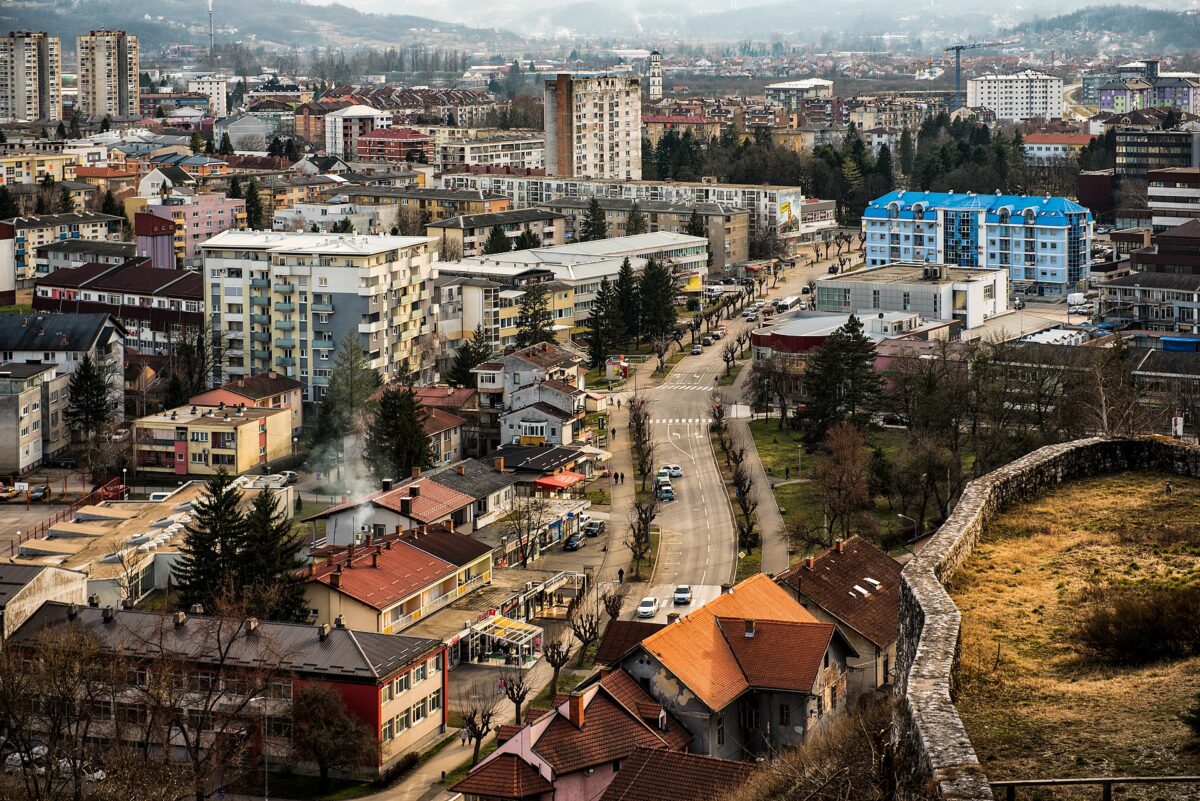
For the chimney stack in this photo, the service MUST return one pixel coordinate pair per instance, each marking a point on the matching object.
(107, 614)
(406, 507)
(462, 469)
(180, 618)
(94, 601)
(575, 708)
(415, 489)
(749, 627)
(450, 524)
(323, 631)
(499, 463)
(672, 617)
(72, 611)
(375, 559)
(416, 472)
(386, 484)
(251, 624)
(335, 579)
(841, 546)
(339, 622)
(197, 609)
(810, 563)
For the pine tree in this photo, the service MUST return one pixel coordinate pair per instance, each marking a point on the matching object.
(594, 225)
(599, 340)
(472, 353)
(292, 151)
(66, 202)
(396, 439)
(884, 167)
(88, 408)
(235, 187)
(840, 381)
(636, 223)
(275, 149)
(343, 226)
(696, 226)
(213, 540)
(226, 148)
(109, 204)
(907, 152)
(528, 240)
(61, 131)
(269, 562)
(496, 242)
(196, 143)
(628, 302)
(254, 209)
(351, 382)
(8, 206)
(535, 321)
(657, 295)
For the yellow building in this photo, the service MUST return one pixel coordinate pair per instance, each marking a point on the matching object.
(31, 166)
(561, 299)
(438, 204)
(201, 440)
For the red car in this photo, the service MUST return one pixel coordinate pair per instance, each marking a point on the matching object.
(116, 492)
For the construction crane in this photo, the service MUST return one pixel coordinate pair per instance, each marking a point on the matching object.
(958, 48)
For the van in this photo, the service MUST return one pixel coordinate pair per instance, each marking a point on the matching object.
(1076, 299)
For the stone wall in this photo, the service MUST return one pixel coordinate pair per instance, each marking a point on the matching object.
(930, 734)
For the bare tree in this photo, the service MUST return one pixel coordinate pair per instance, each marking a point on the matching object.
(557, 652)
(613, 603)
(525, 522)
(644, 447)
(449, 249)
(744, 487)
(639, 542)
(478, 704)
(840, 470)
(517, 684)
(661, 346)
(585, 623)
(729, 355)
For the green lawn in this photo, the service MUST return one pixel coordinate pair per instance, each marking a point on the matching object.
(23, 308)
(748, 566)
(727, 379)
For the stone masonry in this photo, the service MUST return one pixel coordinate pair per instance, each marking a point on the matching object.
(929, 731)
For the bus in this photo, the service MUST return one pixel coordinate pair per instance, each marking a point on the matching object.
(788, 303)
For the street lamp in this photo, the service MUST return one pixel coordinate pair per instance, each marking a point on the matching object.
(124, 481)
(916, 532)
(261, 703)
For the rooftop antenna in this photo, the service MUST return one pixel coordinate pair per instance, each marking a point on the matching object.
(212, 51)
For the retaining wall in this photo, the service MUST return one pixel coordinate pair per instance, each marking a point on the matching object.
(930, 734)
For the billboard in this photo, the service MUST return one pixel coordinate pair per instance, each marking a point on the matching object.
(788, 205)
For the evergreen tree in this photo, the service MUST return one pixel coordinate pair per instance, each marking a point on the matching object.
(39, 205)
(535, 321)
(106, 124)
(496, 242)
(636, 223)
(235, 187)
(269, 562)
(528, 240)
(840, 381)
(657, 294)
(3, 138)
(275, 149)
(88, 408)
(351, 382)
(600, 339)
(8, 206)
(884, 168)
(396, 439)
(292, 151)
(61, 131)
(696, 226)
(594, 226)
(343, 226)
(226, 148)
(472, 353)
(109, 204)
(66, 203)
(209, 150)
(254, 209)
(907, 151)
(208, 559)
(196, 143)
(628, 303)
(74, 131)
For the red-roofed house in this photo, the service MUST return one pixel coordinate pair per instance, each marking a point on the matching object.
(445, 432)
(574, 751)
(269, 390)
(418, 502)
(750, 672)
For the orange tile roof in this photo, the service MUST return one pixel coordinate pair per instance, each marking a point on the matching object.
(696, 651)
(433, 503)
(758, 656)
(383, 575)
(652, 775)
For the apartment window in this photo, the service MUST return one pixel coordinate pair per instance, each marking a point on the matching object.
(418, 674)
(402, 722)
(785, 714)
(401, 683)
(387, 692)
(907, 300)
(874, 298)
(420, 711)
(387, 730)
(435, 700)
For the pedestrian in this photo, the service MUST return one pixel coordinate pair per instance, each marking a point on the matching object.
(462, 735)
(618, 403)
(622, 477)
(787, 471)
(620, 575)
(1168, 488)
(614, 433)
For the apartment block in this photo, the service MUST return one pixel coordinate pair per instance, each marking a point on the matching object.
(33, 232)
(156, 307)
(524, 152)
(344, 127)
(702, 129)
(1044, 243)
(30, 77)
(287, 301)
(33, 166)
(395, 146)
(203, 440)
(967, 295)
(593, 127)
(1173, 196)
(792, 94)
(1020, 96)
(794, 217)
(432, 204)
(32, 397)
(108, 74)
(197, 218)
(216, 89)
(465, 235)
(1138, 152)
(64, 340)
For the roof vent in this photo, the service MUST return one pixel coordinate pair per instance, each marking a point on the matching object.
(323, 631)
(339, 622)
(197, 609)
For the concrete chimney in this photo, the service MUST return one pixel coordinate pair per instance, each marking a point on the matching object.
(323, 631)
(339, 622)
(386, 484)
(810, 563)
(406, 507)
(841, 546)
(335, 578)
(416, 472)
(415, 490)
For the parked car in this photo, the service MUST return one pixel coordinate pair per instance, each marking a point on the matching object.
(64, 462)
(758, 304)
(648, 607)
(697, 350)
(117, 492)
(683, 595)
(7, 493)
(706, 341)
(718, 333)
(289, 476)
(752, 318)
(672, 470)
(666, 492)
(833, 269)
(594, 528)
(727, 281)
(805, 291)
(39, 493)
(574, 542)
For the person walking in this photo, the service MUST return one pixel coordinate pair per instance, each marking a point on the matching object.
(620, 575)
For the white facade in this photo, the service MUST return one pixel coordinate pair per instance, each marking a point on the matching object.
(935, 291)
(656, 76)
(217, 89)
(344, 126)
(594, 127)
(522, 152)
(1018, 97)
(790, 94)
(30, 77)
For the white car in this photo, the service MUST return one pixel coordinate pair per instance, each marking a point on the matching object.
(683, 595)
(648, 607)
(672, 470)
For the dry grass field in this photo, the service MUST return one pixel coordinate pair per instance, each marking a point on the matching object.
(1035, 704)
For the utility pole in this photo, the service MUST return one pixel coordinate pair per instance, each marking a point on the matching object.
(212, 51)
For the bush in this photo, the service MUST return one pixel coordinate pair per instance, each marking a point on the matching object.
(1191, 716)
(403, 765)
(1136, 625)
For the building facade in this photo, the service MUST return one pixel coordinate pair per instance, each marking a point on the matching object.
(1020, 96)
(1044, 243)
(203, 440)
(1173, 196)
(968, 295)
(526, 152)
(466, 235)
(33, 232)
(32, 397)
(274, 295)
(197, 218)
(792, 94)
(108, 74)
(1138, 152)
(344, 127)
(30, 77)
(216, 89)
(394, 146)
(593, 127)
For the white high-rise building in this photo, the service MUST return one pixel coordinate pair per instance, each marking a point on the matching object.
(594, 127)
(30, 77)
(344, 127)
(108, 74)
(217, 89)
(1018, 97)
(656, 76)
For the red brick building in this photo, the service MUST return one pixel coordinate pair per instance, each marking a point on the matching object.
(395, 146)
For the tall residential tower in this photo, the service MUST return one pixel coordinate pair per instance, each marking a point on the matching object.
(30, 77)
(594, 127)
(108, 74)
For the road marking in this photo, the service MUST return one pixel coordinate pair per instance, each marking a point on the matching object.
(688, 387)
(676, 421)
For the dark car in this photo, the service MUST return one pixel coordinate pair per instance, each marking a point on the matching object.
(594, 528)
(40, 492)
(806, 291)
(65, 462)
(833, 269)
(727, 281)
(574, 542)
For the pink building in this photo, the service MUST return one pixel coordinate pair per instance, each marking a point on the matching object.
(197, 219)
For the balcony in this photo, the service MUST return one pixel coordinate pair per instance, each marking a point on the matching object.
(284, 325)
(260, 283)
(285, 342)
(285, 307)
(325, 308)
(260, 336)
(263, 355)
(285, 289)
(437, 603)
(324, 344)
(260, 319)
(320, 381)
(260, 300)
(285, 361)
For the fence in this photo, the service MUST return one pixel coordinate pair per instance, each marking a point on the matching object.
(40, 529)
(1106, 783)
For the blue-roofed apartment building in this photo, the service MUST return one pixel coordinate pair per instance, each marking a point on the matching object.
(1043, 242)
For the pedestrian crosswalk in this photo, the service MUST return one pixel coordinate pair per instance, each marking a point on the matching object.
(681, 421)
(688, 387)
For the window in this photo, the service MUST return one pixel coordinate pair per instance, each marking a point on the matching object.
(435, 700)
(420, 710)
(402, 723)
(387, 730)
(418, 674)
(387, 692)
(785, 714)
(720, 730)
(401, 683)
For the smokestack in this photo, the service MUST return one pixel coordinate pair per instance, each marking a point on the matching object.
(212, 50)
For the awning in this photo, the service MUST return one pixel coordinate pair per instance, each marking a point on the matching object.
(599, 454)
(564, 480)
(508, 630)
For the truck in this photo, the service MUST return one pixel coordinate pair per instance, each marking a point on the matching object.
(1076, 299)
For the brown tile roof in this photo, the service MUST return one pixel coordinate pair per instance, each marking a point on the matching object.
(652, 775)
(457, 549)
(436, 421)
(629, 694)
(546, 355)
(758, 656)
(609, 732)
(262, 385)
(399, 571)
(620, 638)
(433, 504)
(695, 649)
(449, 398)
(831, 584)
(505, 776)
